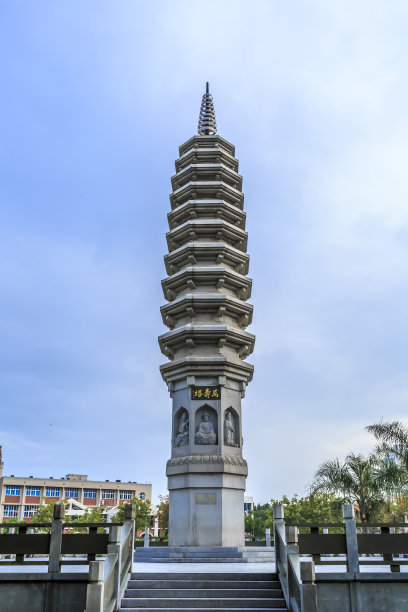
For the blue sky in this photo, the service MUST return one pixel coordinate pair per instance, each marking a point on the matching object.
(96, 98)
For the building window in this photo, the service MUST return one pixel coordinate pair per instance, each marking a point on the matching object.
(29, 511)
(52, 492)
(71, 492)
(12, 490)
(33, 491)
(90, 493)
(108, 494)
(126, 494)
(142, 495)
(11, 511)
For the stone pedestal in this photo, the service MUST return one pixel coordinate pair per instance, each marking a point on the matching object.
(206, 500)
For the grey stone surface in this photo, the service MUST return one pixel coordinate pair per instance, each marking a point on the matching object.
(205, 590)
(207, 315)
(32, 592)
(204, 554)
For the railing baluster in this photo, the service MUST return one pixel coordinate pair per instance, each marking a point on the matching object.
(315, 557)
(20, 556)
(389, 557)
(93, 530)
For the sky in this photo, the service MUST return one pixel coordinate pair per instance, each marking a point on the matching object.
(96, 98)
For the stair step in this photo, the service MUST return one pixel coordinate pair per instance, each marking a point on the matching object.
(207, 593)
(209, 576)
(203, 584)
(122, 609)
(191, 560)
(170, 603)
(227, 550)
(190, 553)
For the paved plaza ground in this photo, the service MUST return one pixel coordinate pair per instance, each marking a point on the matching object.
(199, 567)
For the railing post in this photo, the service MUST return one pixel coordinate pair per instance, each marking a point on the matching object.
(57, 525)
(130, 515)
(115, 538)
(292, 551)
(308, 590)
(94, 591)
(278, 522)
(350, 531)
(268, 537)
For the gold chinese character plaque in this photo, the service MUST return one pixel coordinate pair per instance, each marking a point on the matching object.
(210, 393)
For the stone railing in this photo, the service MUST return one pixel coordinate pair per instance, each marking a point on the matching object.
(98, 590)
(297, 577)
(350, 546)
(108, 578)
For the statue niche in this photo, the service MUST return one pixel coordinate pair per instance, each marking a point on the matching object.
(206, 426)
(231, 428)
(181, 428)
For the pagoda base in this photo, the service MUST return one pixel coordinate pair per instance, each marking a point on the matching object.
(208, 515)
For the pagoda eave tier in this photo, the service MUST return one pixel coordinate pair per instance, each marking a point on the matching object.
(207, 190)
(207, 209)
(206, 172)
(206, 142)
(212, 306)
(206, 155)
(210, 253)
(205, 367)
(218, 338)
(211, 229)
(208, 279)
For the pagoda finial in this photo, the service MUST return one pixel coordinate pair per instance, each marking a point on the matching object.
(206, 121)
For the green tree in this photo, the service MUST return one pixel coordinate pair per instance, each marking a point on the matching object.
(261, 515)
(143, 513)
(45, 513)
(163, 512)
(358, 480)
(91, 515)
(314, 508)
(396, 509)
(249, 523)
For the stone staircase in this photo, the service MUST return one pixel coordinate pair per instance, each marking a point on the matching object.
(203, 591)
(171, 554)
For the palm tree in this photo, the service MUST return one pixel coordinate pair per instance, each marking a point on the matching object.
(393, 437)
(393, 448)
(358, 481)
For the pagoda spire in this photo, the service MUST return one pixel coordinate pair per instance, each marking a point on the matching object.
(207, 124)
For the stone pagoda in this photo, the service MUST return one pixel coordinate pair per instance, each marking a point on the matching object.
(207, 313)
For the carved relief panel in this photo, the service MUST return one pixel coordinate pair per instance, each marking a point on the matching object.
(181, 428)
(206, 426)
(231, 427)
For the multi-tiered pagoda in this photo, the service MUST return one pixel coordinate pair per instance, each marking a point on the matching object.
(207, 289)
